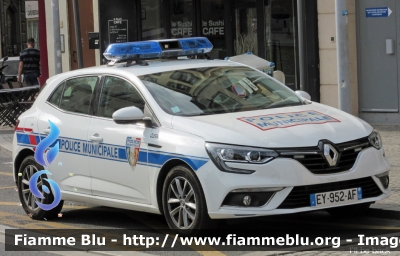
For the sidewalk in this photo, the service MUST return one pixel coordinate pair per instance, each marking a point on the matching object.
(391, 141)
(6, 136)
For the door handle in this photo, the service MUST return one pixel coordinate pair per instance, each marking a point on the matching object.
(154, 145)
(47, 130)
(390, 46)
(96, 138)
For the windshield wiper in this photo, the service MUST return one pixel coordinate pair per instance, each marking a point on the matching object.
(198, 114)
(281, 104)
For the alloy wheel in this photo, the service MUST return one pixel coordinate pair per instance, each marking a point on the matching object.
(181, 203)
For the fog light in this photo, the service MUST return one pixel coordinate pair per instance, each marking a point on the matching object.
(247, 200)
(384, 178)
(385, 181)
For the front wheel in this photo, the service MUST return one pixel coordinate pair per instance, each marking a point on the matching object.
(183, 201)
(29, 202)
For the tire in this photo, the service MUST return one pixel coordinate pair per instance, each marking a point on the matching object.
(28, 167)
(185, 211)
(350, 210)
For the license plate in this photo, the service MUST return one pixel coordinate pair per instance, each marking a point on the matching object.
(336, 197)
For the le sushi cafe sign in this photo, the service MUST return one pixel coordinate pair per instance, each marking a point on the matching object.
(31, 9)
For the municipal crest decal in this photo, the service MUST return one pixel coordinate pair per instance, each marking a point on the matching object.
(132, 150)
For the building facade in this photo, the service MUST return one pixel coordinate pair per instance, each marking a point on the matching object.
(374, 41)
(19, 21)
(269, 28)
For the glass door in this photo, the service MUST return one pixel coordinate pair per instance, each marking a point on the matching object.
(182, 18)
(280, 38)
(279, 29)
(245, 35)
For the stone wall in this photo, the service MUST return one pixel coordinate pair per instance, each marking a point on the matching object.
(328, 53)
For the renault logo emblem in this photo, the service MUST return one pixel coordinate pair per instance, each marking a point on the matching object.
(331, 155)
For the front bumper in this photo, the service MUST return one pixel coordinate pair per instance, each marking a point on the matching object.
(287, 174)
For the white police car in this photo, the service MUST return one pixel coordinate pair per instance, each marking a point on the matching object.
(193, 140)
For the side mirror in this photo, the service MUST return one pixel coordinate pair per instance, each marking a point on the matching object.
(131, 115)
(303, 94)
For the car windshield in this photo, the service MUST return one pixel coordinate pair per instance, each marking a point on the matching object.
(217, 90)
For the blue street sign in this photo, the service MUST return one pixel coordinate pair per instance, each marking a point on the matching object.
(378, 12)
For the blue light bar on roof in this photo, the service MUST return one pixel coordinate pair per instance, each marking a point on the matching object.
(125, 51)
(197, 45)
(158, 48)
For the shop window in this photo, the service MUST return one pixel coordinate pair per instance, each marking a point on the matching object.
(245, 28)
(152, 19)
(33, 31)
(182, 18)
(280, 34)
(280, 24)
(11, 39)
(213, 26)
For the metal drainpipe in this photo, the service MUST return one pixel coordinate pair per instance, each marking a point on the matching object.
(301, 43)
(55, 8)
(343, 63)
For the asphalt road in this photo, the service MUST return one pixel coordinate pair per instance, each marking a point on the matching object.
(82, 216)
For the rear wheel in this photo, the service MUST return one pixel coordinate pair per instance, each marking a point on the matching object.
(27, 169)
(350, 210)
(184, 203)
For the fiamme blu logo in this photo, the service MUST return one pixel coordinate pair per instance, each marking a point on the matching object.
(45, 155)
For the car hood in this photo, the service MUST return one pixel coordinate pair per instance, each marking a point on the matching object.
(300, 126)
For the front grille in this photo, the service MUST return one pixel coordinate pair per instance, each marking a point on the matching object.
(317, 163)
(300, 196)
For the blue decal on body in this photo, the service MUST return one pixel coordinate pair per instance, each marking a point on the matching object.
(159, 158)
(23, 138)
(114, 152)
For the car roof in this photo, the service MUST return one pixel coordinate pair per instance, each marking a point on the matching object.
(157, 66)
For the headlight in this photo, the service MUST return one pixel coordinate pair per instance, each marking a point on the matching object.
(375, 139)
(220, 154)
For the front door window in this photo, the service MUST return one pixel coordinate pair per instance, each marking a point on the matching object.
(118, 152)
(116, 94)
